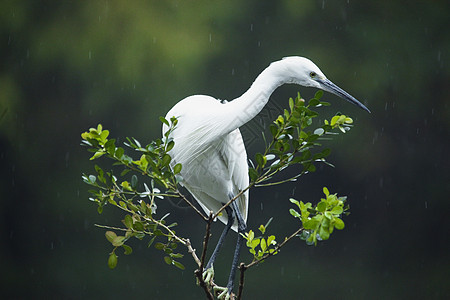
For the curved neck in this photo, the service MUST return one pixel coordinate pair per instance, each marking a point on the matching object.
(247, 106)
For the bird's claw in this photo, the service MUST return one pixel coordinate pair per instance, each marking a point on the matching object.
(223, 293)
(208, 276)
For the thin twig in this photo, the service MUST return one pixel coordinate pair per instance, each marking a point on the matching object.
(203, 284)
(192, 251)
(280, 182)
(205, 242)
(277, 248)
(232, 200)
(192, 205)
(242, 269)
(199, 272)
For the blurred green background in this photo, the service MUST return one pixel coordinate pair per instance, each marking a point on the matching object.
(69, 65)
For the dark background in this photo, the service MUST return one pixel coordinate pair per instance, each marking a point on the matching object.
(69, 65)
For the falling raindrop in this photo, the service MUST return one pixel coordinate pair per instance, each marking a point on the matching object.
(232, 72)
(90, 54)
(210, 37)
(375, 137)
(426, 204)
(323, 4)
(251, 27)
(262, 208)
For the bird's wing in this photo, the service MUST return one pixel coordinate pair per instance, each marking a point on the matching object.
(220, 172)
(235, 157)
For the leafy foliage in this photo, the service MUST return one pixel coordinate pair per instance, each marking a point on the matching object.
(320, 221)
(140, 220)
(294, 141)
(265, 245)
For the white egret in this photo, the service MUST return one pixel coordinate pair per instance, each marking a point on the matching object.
(209, 145)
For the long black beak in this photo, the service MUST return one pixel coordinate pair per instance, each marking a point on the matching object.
(332, 88)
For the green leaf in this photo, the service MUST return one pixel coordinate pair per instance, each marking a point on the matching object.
(159, 246)
(311, 224)
(178, 265)
(128, 221)
(337, 210)
(326, 191)
(339, 224)
(110, 236)
(255, 243)
(97, 154)
(110, 146)
(294, 213)
(112, 260)
(170, 145)
(177, 169)
(263, 245)
(314, 102)
(273, 129)
(292, 200)
(262, 229)
(311, 168)
(118, 241)
(138, 226)
(318, 94)
(166, 160)
(322, 206)
(253, 174)
(134, 181)
(127, 249)
(104, 135)
(260, 160)
(168, 260)
(119, 152)
(126, 186)
(164, 121)
(323, 233)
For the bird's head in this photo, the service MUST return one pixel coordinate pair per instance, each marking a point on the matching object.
(302, 71)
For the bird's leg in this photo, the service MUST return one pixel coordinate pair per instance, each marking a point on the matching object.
(241, 229)
(208, 274)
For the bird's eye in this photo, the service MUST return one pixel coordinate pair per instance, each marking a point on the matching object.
(312, 74)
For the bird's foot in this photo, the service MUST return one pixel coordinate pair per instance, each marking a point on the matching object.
(208, 276)
(222, 293)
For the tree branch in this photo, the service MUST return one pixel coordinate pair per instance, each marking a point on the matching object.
(202, 283)
(277, 248)
(191, 205)
(242, 269)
